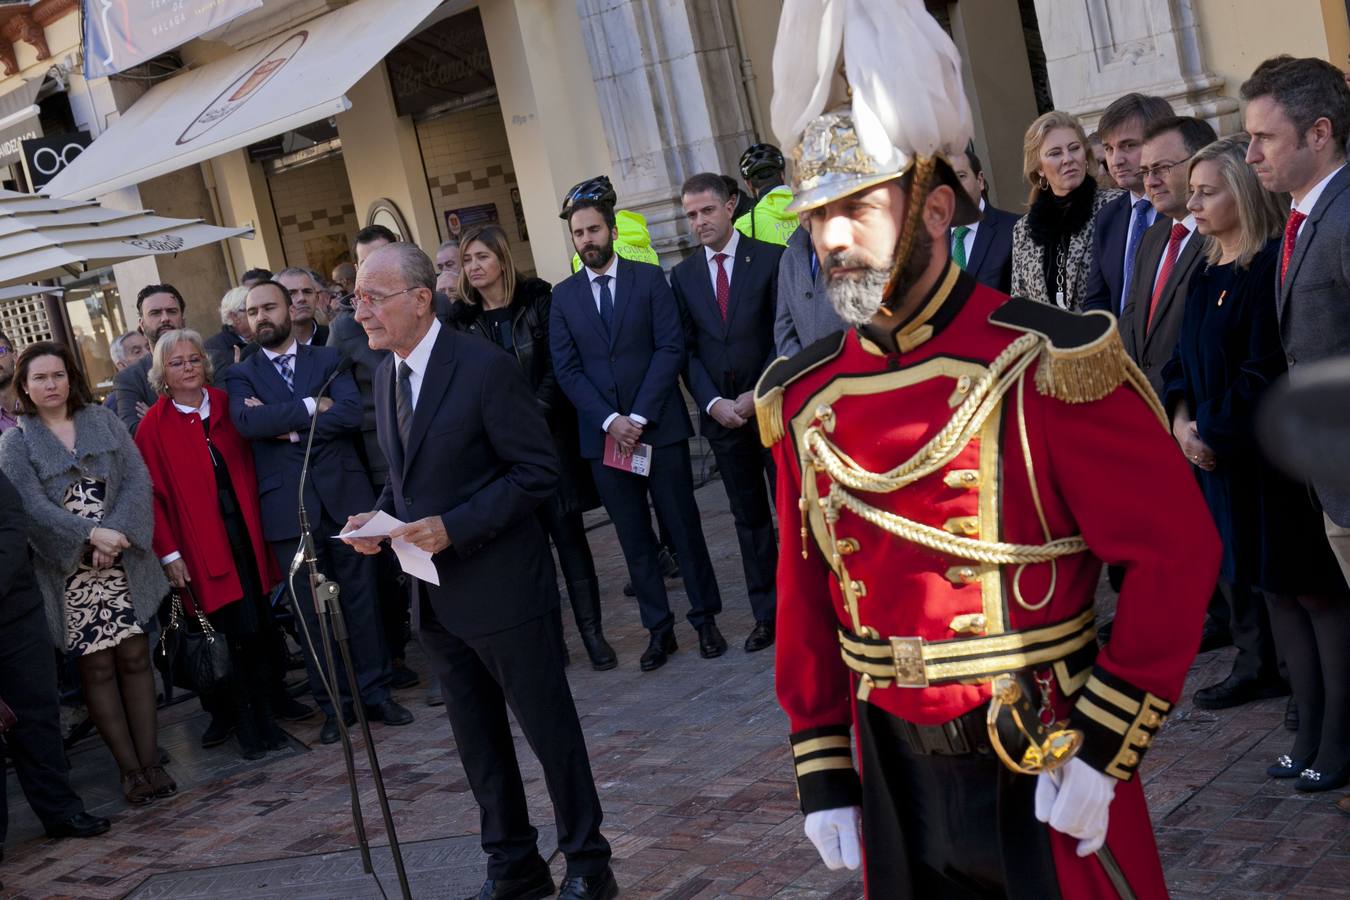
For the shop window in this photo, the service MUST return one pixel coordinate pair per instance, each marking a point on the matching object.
(94, 311)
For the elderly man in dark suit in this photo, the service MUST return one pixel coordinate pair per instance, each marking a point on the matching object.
(1170, 250)
(983, 248)
(491, 629)
(161, 310)
(618, 350)
(1121, 224)
(274, 396)
(727, 292)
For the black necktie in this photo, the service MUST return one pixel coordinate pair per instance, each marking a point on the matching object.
(606, 302)
(404, 404)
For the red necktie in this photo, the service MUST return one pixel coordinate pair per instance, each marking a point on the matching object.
(1290, 239)
(723, 284)
(1178, 235)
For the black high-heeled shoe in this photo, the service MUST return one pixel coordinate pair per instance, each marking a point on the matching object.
(1314, 781)
(1287, 767)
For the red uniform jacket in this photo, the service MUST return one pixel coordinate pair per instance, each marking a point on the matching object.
(187, 509)
(1104, 468)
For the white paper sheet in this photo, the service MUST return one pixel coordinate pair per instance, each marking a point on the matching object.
(411, 559)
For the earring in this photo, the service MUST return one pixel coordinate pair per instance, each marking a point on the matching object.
(1044, 183)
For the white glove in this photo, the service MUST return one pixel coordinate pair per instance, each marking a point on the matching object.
(1076, 800)
(835, 833)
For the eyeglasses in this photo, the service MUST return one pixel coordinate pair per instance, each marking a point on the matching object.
(1162, 170)
(179, 364)
(375, 301)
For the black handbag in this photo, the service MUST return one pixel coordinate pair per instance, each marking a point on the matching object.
(196, 656)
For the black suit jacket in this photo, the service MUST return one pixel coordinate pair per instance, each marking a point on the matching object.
(1152, 345)
(337, 480)
(1106, 274)
(480, 456)
(725, 358)
(990, 259)
(635, 370)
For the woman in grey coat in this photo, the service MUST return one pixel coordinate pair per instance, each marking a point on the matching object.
(90, 521)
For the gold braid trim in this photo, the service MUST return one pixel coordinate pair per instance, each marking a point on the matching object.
(1089, 373)
(769, 415)
(918, 193)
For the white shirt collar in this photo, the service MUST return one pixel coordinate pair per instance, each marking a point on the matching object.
(1135, 198)
(421, 354)
(1309, 201)
(204, 410)
(610, 270)
(729, 249)
(1189, 222)
(288, 349)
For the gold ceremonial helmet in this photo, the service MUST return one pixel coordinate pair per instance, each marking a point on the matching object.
(866, 92)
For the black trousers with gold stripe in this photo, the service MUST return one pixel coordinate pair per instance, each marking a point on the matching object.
(959, 827)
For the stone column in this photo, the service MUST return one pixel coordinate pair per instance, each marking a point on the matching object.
(1096, 50)
(671, 98)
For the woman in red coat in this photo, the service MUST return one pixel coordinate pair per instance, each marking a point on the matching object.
(208, 527)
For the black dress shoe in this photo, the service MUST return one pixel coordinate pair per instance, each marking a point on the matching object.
(390, 713)
(592, 887)
(536, 884)
(760, 636)
(711, 644)
(288, 709)
(329, 733)
(217, 732)
(661, 646)
(1213, 637)
(403, 677)
(1235, 691)
(80, 825)
(1291, 715)
(669, 563)
(1315, 781)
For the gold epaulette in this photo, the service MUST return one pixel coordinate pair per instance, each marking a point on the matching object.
(1082, 358)
(782, 372)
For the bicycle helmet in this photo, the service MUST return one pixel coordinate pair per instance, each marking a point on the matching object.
(597, 188)
(761, 158)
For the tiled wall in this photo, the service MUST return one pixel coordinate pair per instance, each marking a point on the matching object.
(313, 201)
(24, 321)
(468, 164)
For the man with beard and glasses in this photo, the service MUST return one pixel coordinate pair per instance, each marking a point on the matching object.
(160, 307)
(9, 402)
(618, 350)
(948, 472)
(273, 398)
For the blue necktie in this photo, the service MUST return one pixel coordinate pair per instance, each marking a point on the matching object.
(284, 367)
(606, 302)
(1138, 225)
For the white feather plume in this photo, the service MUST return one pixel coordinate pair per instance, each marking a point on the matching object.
(904, 71)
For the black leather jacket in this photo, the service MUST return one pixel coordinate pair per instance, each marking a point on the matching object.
(529, 337)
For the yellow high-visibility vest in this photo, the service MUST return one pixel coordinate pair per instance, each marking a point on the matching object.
(770, 221)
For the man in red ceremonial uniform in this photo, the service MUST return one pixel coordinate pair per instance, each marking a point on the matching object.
(948, 491)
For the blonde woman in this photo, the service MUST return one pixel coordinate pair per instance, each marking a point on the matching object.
(1052, 243)
(1228, 354)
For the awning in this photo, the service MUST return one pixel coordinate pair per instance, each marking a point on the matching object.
(18, 119)
(41, 237)
(19, 291)
(285, 82)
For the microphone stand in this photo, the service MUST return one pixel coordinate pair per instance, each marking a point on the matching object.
(327, 603)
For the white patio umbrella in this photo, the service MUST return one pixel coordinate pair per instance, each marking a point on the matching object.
(41, 237)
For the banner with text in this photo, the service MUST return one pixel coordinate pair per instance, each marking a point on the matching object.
(119, 34)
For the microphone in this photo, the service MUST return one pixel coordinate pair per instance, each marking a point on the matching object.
(306, 548)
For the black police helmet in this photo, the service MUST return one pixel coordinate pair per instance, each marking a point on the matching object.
(597, 188)
(759, 158)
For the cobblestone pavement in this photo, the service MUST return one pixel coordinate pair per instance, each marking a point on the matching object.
(694, 772)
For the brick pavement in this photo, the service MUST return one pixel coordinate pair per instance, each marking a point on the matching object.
(694, 772)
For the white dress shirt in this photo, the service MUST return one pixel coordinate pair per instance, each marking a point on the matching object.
(612, 270)
(1309, 201)
(273, 356)
(1189, 222)
(418, 360)
(729, 263)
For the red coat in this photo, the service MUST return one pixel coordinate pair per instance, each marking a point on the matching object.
(187, 508)
(1105, 469)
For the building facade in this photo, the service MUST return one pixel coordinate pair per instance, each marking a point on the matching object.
(491, 111)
